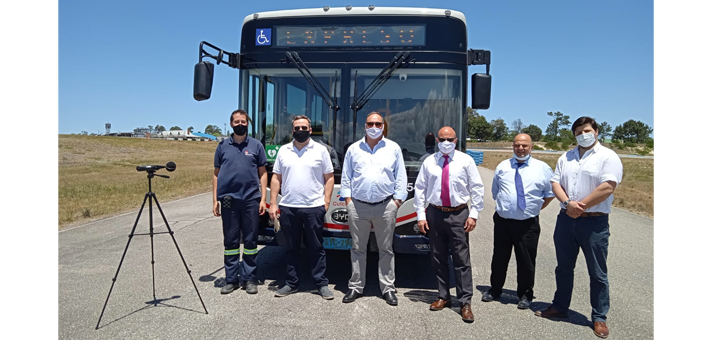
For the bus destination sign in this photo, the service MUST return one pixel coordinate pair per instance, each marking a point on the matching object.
(334, 36)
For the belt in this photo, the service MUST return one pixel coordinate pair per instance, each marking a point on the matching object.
(449, 209)
(586, 214)
(374, 203)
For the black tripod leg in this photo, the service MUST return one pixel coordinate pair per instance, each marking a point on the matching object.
(152, 247)
(122, 258)
(172, 234)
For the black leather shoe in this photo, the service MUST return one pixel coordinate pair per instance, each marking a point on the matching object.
(351, 296)
(390, 298)
(487, 297)
(524, 303)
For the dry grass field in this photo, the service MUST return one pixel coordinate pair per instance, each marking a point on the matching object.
(97, 175)
(635, 193)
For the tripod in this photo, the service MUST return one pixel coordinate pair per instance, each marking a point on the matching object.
(150, 196)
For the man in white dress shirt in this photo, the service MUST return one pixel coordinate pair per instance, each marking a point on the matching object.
(521, 188)
(584, 181)
(374, 184)
(450, 183)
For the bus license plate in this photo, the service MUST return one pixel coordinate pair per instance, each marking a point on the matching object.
(337, 243)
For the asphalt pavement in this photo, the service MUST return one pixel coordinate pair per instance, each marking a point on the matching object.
(89, 256)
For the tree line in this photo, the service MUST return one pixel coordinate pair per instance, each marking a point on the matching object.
(558, 130)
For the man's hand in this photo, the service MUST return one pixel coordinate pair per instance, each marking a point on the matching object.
(397, 202)
(347, 200)
(327, 205)
(575, 209)
(274, 211)
(470, 224)
(216, 208)
(423, 226)
(262, 208)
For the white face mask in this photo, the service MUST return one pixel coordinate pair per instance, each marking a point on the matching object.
(521, 158)
(446, 147)
(586, 139)
(374, 133)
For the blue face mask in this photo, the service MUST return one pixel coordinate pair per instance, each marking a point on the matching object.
(521, 158)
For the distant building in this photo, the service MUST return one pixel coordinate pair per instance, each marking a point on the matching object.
(141, 132)
(185, 135)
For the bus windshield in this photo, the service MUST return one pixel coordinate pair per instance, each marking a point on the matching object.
(413, 102)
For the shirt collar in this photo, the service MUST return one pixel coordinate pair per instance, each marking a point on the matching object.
(309, 145)
(439, 155)
(381, 142)
(232, 139)
(514, 162)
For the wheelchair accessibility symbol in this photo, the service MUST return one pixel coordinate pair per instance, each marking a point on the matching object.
(262, 36)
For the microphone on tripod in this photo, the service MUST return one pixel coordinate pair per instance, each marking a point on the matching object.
(170, 166)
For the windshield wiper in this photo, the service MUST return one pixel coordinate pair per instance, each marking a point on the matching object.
(314, 82)
(400, 59)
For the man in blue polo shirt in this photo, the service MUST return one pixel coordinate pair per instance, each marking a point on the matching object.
(239, 197)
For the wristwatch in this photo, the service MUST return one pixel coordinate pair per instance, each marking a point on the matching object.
(565, 204)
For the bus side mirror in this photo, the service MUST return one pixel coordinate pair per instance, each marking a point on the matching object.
(481, 91)
(202, 84)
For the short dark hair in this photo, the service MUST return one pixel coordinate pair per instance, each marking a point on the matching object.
(584, 120)
(298, 117)
(375, 113)
(239, 111)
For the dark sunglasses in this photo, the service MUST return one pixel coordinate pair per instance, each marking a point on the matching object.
(446, 139)
(377, 124)
(303, 127)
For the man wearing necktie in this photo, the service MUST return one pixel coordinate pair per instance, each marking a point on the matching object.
(521, 188)
(450, 184)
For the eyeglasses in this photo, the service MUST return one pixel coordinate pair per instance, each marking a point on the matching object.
(377, 124)
(302, 127)
(446, 139)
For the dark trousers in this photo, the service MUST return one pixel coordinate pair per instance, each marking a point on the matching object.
(240, 219)
(309, 221)
(590, 234)
(447, 234)
(522, 235)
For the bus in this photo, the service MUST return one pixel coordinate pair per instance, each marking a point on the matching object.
(336, 65)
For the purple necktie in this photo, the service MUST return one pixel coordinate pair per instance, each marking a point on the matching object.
(445, 184)
(519, 188)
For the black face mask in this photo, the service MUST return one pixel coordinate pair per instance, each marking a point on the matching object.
(301, 136)
(240, 130)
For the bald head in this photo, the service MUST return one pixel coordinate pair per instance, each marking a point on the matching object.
(522, 145)
(446, 132)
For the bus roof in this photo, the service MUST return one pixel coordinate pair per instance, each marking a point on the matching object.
(355, 11)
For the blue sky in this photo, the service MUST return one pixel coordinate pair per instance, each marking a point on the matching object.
(130, 63)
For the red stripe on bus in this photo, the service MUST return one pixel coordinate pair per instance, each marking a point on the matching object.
(406, 217)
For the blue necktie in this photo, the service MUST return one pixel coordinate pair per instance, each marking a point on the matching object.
(519, 187)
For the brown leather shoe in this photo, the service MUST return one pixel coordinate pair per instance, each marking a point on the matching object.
(440, 304)
(467, 314)
(551, 312)
(601, 329)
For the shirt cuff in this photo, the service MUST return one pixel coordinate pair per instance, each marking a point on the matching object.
(345, 193)
(401, 197)
(473, 213)
(421, 215)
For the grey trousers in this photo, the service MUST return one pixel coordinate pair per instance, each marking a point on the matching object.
(382, 218)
